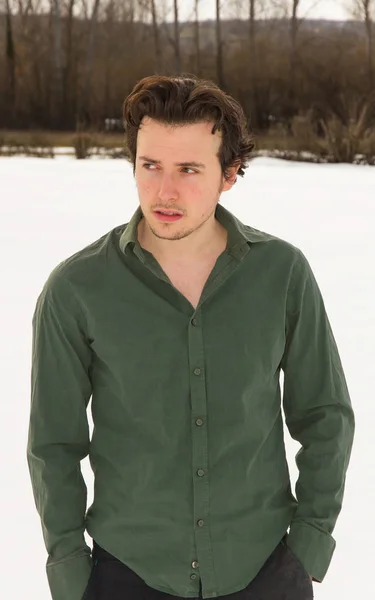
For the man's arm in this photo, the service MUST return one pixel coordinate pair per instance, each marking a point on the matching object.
(58, 437)
(319, 415)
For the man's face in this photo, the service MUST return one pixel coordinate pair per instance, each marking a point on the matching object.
(192, 190)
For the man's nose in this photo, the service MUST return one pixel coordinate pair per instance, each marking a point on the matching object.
(168, 187)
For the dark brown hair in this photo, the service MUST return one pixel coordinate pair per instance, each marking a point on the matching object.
(184, 100)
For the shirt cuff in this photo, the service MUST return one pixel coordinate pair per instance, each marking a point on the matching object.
(68, 578)
(313, 547)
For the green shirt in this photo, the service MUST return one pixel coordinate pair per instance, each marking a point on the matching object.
(191, 477)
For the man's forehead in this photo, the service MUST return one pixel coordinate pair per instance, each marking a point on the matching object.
(157, 138)
(148, 125)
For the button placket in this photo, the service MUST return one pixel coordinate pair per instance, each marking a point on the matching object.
(198, 395)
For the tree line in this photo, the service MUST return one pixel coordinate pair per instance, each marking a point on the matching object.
(69, 64)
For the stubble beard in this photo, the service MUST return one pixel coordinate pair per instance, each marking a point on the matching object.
(182, 233)
(179, 235)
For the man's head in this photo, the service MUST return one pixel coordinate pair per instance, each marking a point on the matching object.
(170, 121)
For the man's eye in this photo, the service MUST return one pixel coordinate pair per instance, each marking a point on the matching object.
(146, 165)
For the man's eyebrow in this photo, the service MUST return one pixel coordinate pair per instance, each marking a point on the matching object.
(182, 164)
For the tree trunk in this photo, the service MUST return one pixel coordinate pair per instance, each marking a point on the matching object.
(219, 48)
(177, 38)
(293, 56)
(84, 115)
(158, 65)
(252, 47)
(197, 45)
(369, 25)
(252, 30)
(252, 62)
(69, 89)
(11, 66)
(58, 67)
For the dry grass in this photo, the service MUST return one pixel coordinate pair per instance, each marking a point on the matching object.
(303, 144)
(54, 138)
(105, 140)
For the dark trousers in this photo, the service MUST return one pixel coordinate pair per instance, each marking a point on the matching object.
(282, 577)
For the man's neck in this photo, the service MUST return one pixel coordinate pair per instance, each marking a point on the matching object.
(216, 245)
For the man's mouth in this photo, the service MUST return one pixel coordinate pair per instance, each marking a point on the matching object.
(169, 212)
(168, 215)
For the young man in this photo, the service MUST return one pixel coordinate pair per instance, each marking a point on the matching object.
(178, 325)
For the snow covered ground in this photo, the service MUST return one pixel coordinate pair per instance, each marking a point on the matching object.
(50, 208)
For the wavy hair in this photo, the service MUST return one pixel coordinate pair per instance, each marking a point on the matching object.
(186, 99)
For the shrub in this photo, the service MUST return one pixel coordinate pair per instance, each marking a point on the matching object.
(306, 139)
(84, 144)
(368, 147)
(344, 136)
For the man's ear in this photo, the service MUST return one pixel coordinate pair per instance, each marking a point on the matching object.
(232, 172)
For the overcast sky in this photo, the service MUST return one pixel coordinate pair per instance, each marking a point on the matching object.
(326, 9)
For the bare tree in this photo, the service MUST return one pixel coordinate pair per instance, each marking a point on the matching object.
(291, 9)
(83, 116)
(253, 58)
(219, 48)
(155, 27)
(196, 37)
(174, 40)
(58, 70)
(252, 44)
(368, 9)
(10, 63)
(365, 11)
(177, 37)
(293, 53)
(68, 87)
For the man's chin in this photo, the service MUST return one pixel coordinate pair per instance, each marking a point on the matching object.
(169, 235)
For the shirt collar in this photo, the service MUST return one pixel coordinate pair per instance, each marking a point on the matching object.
(240, 236)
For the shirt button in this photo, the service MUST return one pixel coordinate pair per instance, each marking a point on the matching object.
(194, 322)
(200, 523)
(193, 576)
(200, 472)
(197, 371)
(195, 564)
(199, 422)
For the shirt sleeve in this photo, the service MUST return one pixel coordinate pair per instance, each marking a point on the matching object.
(58, 436)
(319, 415)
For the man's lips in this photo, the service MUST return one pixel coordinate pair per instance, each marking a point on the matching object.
(167, 218)
(168, 212)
